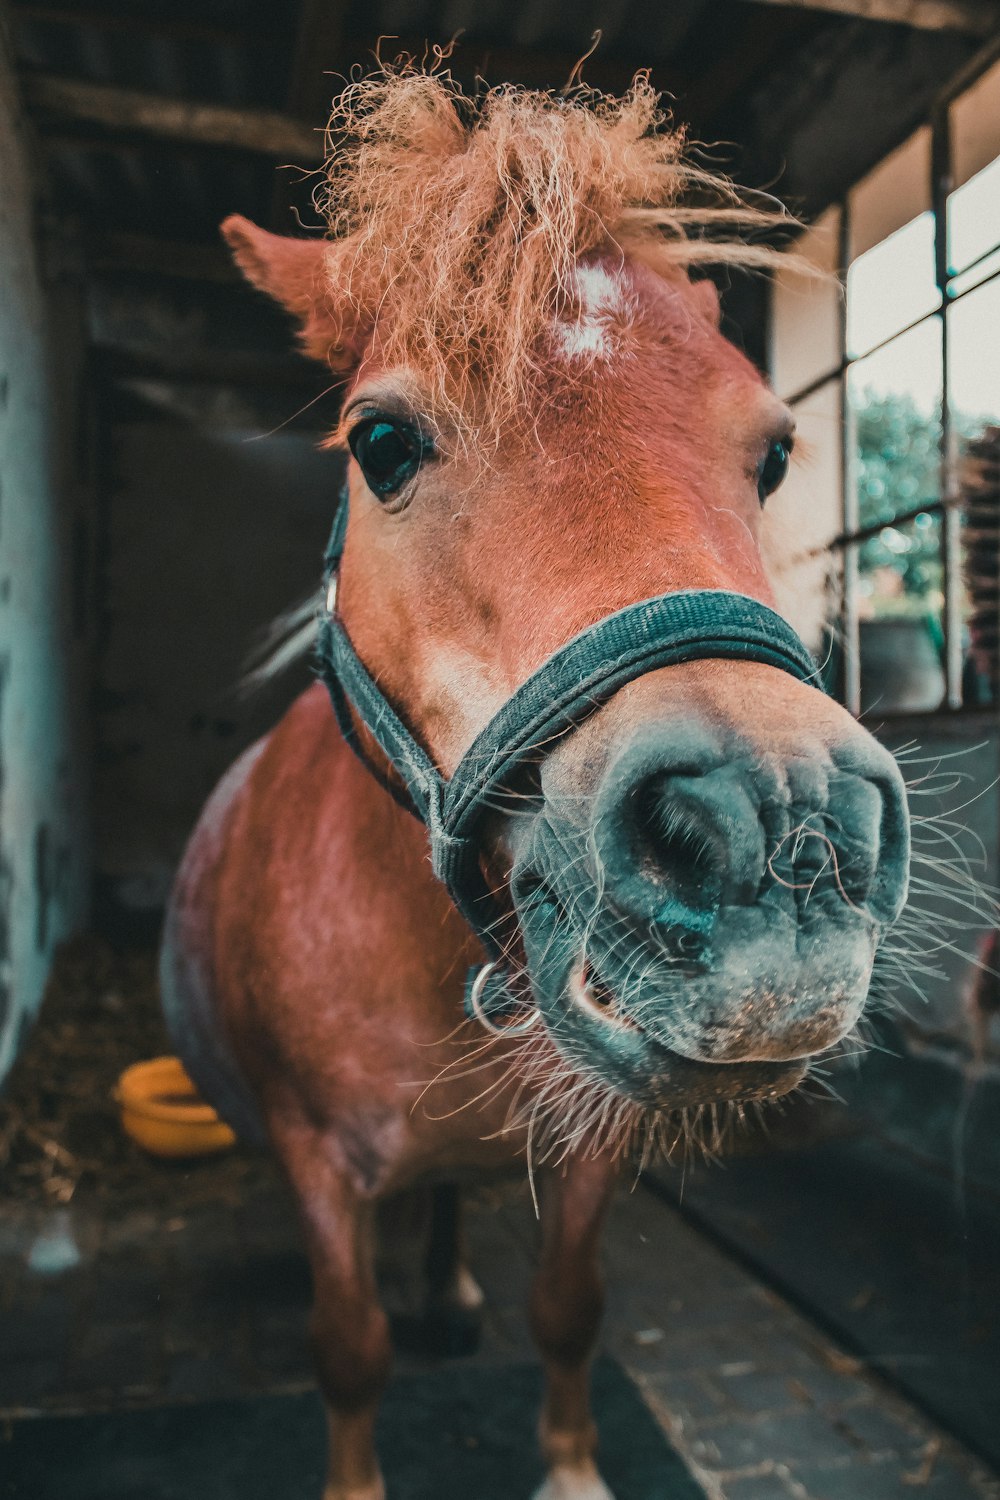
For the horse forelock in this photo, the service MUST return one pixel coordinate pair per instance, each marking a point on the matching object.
(464, 231)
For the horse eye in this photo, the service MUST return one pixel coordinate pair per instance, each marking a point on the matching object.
(389, 454)
(773, 469)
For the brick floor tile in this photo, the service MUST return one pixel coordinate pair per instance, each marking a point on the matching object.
(757, 1344)
(880, 1431)
(759, 1487)
(887, 1481)
(712, 1312)
(828, 1386)
(762, 1391)
(692, 1398)
(793, 1437)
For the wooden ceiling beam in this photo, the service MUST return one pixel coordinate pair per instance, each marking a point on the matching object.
(975, 17)
(714, 90)
(533, 67)
(146, 22)
(72, 101)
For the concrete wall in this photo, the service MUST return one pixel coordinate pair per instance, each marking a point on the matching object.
(44, 865)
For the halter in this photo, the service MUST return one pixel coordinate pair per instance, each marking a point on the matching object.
(691, 625)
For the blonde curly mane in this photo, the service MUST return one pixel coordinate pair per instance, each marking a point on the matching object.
(457, 222)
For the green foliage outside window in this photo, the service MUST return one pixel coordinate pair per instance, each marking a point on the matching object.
(898, 468)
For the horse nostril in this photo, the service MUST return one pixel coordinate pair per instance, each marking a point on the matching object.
(678, 851)
(869, 797)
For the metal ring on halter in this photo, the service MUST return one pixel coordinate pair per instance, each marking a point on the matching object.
(475, 1005)
(331, 594)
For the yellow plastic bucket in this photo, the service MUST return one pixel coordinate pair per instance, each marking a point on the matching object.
(162, 1110)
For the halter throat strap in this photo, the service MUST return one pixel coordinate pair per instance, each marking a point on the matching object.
(691, 625)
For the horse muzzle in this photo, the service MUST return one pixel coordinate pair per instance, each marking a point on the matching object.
(703, 920)
(699, 915)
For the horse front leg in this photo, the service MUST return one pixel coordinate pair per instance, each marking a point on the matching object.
(566, 1306)
(348, 1328)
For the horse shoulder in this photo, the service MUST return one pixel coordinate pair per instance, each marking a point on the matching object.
(308, 938)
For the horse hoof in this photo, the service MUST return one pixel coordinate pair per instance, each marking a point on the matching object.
(574, 1482)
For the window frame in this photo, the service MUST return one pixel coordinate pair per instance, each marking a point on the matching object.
(847, 542)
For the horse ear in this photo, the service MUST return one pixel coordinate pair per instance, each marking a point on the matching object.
(296, 273)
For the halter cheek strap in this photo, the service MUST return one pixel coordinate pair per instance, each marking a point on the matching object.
(574, 682)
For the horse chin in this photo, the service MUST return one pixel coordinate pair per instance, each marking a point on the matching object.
(658, 1040)
(598, 1036)
(597, 1032)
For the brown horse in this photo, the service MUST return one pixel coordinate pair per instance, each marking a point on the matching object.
(546, 426)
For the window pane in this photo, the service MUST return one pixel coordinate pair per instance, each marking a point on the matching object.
(891, 285)
(974, 218)
(806, 312)
(895, 404)
(900, 603)
(974, 360)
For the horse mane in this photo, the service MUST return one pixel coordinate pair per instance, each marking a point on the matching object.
(456, 221)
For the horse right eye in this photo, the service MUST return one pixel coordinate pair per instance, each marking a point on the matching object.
(773, 468)
(389, 454)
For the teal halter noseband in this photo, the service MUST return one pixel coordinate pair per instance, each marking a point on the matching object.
(573, 683)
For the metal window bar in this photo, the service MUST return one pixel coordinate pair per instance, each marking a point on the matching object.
(852, 534)
(850, 617)
(949, 299)
(947, 506)
(941, 187)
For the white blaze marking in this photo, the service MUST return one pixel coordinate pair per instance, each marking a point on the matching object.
(602, 302)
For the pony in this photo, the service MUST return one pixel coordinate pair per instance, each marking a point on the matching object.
(545, 426)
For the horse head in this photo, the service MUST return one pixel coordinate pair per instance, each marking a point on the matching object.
(546, 426)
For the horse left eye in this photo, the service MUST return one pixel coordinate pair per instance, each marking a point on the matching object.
(388, 453)
(773, 469)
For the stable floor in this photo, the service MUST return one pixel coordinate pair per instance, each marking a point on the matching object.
(159, 1350)
(153, 1316)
